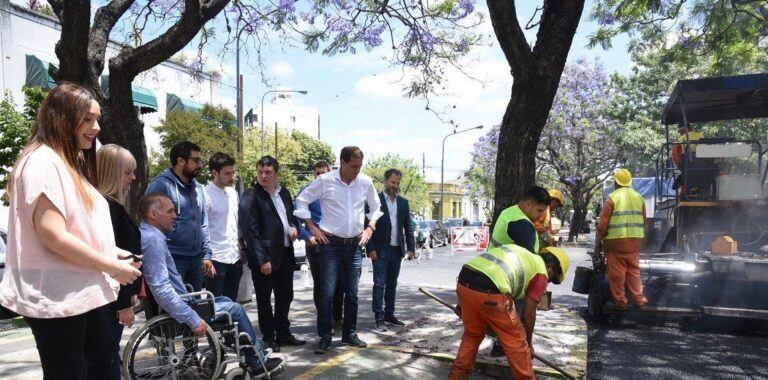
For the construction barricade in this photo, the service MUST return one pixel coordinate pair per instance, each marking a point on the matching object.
(469, 239)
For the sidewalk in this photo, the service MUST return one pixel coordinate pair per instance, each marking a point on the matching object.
(423, 349)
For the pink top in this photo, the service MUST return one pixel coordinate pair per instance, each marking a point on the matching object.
(38, 282)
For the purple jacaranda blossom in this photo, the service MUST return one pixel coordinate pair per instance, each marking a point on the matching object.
(337, 24)
(465, 8)
(287, 6)
(606, 19)
(372, 36)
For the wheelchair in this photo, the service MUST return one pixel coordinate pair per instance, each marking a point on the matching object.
(165, 349)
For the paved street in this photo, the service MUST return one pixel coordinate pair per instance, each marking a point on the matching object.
(632, 349)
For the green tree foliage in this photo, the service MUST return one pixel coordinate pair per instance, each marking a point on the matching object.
(640, 99)
(297, 154)
(724, 36)
(213, 129)
(412, 185)
(15, 127)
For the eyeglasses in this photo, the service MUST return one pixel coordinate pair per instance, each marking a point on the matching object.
(198, 160)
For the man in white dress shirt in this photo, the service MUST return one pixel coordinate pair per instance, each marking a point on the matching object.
(226, 266)
(343, 195)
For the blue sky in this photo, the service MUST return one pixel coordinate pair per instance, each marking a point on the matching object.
(360, 96)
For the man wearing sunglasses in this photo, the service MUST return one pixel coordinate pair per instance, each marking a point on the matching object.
(189, 241)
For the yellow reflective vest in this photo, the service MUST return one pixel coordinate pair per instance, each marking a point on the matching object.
(510, 267)
(692, 137)
(509, 215)
(627, 217)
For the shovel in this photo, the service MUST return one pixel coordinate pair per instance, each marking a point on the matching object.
(537, 356)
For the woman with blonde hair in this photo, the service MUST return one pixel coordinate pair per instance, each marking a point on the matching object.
(116, 167)
(62, 265)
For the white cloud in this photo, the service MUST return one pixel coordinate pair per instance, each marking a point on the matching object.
(282, 69)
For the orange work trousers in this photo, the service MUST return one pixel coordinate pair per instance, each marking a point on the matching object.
(480, 310)
(624, 271)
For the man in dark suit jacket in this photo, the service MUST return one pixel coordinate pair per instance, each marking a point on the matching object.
(392, 239)
(269, 228)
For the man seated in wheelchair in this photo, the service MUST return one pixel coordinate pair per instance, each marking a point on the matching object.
(158, 215)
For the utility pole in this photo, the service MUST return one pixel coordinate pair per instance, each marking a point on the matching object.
(277, 153)
(240, 134)
(318, 126)
(424, 165)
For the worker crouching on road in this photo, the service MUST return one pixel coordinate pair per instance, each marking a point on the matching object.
(622, 228)
(487, 287)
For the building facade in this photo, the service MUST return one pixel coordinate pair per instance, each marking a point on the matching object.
(27, 43)
(457, 202)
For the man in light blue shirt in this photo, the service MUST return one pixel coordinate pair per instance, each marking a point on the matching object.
(158, 215)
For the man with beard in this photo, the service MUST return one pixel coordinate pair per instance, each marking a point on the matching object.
(392, 240)
(188, 242)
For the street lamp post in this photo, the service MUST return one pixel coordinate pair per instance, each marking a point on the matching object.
(240, 134)
(303, 92)
(442, 164)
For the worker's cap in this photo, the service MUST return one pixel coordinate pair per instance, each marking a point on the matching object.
(562, 259)
(623, 177)
(556, 194)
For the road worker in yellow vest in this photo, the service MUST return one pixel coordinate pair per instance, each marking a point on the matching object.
(487, 287)
(515, 226)
(685, 141)
(543, 225)
(621, 230)
(515, 223)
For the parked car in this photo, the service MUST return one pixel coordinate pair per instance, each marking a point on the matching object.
(422, 232)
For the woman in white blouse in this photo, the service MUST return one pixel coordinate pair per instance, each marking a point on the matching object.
(63, 267)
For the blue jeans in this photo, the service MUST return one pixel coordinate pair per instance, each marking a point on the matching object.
(244, 325)
(386, 270)
(227, 280)
(191, 271)
(345, 258)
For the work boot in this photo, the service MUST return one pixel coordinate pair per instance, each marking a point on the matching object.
(323, 346)
(497, 350)
(392, 320)
(354, 341)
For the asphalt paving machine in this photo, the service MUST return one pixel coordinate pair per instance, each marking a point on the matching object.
(706, 247)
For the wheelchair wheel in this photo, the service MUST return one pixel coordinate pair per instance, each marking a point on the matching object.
(166, 349)
(237, 374)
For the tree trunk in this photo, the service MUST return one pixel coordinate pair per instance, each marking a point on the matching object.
(519, 137)
(536, 74)
(123, 127)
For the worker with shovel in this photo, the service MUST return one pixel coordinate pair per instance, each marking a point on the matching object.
(487, 287)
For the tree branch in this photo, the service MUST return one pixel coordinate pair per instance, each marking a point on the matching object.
(559, 21)
(132, 61)
(509, 34)
(105, 19)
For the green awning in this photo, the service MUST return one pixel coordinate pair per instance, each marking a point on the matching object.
(177, 103)
(37, 73)
(143, 98)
